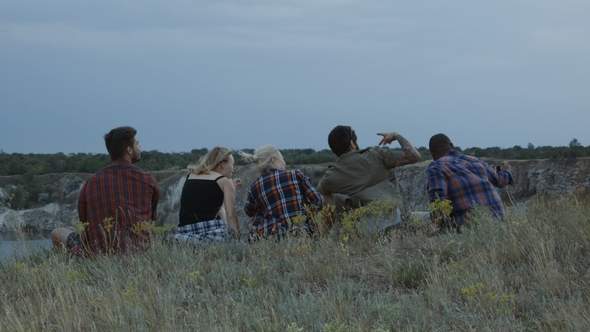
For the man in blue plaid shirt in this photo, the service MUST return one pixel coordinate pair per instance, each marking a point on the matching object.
(466, 181)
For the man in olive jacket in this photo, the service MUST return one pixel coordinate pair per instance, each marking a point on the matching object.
(362, 176)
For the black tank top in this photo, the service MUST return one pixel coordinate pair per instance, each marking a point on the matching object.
(200, 201)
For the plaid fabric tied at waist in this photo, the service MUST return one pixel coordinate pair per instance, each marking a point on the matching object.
(212, 230)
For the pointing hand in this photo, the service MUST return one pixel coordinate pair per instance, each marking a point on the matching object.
(388, 137)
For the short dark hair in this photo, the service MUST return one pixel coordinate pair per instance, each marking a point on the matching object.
(439, 144)
(339, 139)
(118, 139)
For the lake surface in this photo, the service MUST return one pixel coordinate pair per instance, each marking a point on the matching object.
(14, 244)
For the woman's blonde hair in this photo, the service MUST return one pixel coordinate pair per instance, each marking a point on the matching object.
(262, 157)
(209, 161)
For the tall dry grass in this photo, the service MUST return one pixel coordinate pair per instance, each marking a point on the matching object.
(528, 273)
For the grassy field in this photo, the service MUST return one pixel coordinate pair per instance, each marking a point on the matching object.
(528, 273)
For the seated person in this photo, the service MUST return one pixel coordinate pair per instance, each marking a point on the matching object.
(207, 202)
(113, 201)
(362, 176)
(278, 195)
(465, 181)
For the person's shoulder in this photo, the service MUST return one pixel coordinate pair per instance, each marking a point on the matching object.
(255, 185)
(91, 180)
(441, 162)
(138, 170)
(298, 174)
(101, 173)
(224, 183)
(286, 174)
(121, 165)
(352, 156)
(279, 172)
(367, 150)
(262, 177)
(467, 158)
(151, 178)
(435, 164)
(134, 168)
(450, 155)
(378, 150)
(141, 171)
(222, 179)
(352, 153)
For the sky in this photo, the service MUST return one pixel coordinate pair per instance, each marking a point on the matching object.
(196, 74)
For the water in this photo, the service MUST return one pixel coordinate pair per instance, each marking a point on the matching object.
(13, 243)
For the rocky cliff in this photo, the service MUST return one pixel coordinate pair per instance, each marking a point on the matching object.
(550, 178)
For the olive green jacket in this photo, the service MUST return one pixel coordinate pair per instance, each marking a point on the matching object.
(363, 176)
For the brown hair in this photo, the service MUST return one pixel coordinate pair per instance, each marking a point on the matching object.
(118, 139)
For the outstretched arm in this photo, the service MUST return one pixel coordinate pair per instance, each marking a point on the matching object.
(501, 178)
(407, 155)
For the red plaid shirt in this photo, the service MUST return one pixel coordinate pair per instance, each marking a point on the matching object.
(278, 196)
(112, 201)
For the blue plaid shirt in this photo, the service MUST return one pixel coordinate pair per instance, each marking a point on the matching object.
(466, 181)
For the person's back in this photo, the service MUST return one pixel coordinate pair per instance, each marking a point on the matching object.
(278, 197)
(464, 180)
(362, 176)
(200, 200)
(207, 203)
(114, 202)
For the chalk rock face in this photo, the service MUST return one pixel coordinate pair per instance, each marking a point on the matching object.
(551, 178)
(169, 204)
(4, 196)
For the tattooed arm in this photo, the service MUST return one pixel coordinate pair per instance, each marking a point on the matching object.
(407, 155)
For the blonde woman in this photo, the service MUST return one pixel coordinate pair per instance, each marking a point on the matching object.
(278, 195)
(207, 203)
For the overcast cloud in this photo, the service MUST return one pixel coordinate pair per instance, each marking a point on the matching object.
(245, 73)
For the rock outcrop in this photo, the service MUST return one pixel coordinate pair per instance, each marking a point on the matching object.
(550, 178)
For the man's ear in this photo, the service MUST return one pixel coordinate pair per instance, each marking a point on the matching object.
(129, 150)
(351, 146)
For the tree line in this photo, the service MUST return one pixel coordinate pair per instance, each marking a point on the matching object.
(27, 190)
(37, 164)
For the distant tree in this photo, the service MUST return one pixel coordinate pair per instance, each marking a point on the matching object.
(201, 152)
(17, 196)
(31, 165)
(575, 144)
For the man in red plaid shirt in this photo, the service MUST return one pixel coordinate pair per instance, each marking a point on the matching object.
(114, 202)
